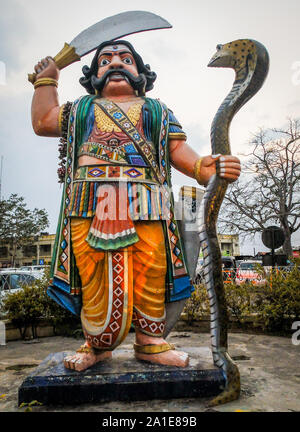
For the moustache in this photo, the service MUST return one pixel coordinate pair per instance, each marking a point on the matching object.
(137, 82)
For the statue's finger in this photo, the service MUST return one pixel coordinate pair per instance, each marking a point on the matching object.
(230, 165)
(229, 170)
(230, 176)
(50, 60)
(45, 62)
(72, 363)
(37, 69)
(40, 67)
(229, 158)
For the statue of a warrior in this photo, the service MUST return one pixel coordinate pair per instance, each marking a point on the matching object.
(118, 257)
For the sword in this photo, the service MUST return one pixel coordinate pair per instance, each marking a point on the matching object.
(110, 28)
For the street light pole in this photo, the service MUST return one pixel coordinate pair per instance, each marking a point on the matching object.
(1, 170)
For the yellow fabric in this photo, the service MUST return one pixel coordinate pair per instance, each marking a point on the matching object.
(91, 266)
(146, 267)
(149, 269)
(105, 124)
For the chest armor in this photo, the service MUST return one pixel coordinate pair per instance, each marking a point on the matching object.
(110, 144)
(120, 162)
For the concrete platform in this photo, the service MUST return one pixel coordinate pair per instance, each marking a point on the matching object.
(269, 367)
(121, 379)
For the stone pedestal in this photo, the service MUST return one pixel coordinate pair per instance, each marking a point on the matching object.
(121, 379)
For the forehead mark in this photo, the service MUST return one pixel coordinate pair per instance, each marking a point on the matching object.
(114, 48)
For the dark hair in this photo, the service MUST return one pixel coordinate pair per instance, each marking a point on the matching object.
(88, 72)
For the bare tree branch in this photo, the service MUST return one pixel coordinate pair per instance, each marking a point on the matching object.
(270, 191)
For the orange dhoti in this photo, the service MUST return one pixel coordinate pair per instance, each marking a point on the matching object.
(123, 286)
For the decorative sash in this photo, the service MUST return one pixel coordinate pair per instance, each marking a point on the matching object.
(115, 113)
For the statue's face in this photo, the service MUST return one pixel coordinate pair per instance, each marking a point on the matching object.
(116, 58)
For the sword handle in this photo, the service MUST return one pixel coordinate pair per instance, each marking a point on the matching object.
(64, 58)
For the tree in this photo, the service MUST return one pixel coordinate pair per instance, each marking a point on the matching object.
(269, 193)
(19, 225)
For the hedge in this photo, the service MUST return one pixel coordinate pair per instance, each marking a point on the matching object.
(26, 307)
(275, 305)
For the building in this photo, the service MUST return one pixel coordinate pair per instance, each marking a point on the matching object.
(229, 244)
(39, 252)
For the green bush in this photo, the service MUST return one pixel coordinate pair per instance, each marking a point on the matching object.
(63, 321)
(28, 306)
(240, 301)
(278, 304)
(24, 308)
(197, 305)
(273, 306)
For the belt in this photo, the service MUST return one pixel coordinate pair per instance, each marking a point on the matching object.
(113, 173)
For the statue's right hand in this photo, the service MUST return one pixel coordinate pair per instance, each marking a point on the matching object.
(46, 68)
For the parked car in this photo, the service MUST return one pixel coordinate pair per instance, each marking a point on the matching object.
(229, 269)
(9, 269)
(34, 268)
(247, 272)
(12, 281)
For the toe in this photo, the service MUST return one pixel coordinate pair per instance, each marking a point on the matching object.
(67, 364)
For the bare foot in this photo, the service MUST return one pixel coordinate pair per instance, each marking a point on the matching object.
(83, 360)
(169, 358)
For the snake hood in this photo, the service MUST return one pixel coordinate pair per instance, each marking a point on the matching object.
(238, 55)
(250, 61)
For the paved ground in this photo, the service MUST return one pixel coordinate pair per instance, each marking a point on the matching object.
(269, 369)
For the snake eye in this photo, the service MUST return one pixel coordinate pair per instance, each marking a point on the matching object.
(219, 47)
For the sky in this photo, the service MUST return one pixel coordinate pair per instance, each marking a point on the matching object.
(32, 29)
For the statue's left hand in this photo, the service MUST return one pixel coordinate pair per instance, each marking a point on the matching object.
(230, 167)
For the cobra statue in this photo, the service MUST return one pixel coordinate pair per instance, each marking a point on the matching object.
(250, 61)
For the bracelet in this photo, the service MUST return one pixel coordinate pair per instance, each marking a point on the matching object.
(45, 82)
(85, 349)
(197, 172)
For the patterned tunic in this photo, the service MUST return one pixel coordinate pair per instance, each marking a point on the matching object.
(138, 152)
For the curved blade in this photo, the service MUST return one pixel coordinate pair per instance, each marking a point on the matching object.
(116, 26)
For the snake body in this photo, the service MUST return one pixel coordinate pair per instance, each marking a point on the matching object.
(250, 61)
